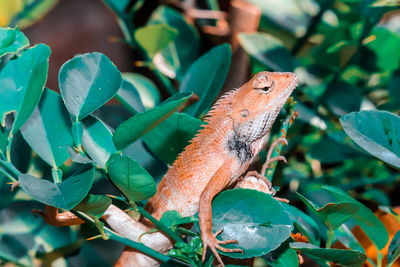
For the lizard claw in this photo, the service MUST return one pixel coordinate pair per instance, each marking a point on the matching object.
(213, 243)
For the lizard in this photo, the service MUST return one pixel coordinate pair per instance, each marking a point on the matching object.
(237, 127)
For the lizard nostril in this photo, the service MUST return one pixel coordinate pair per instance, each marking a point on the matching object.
(244, 113)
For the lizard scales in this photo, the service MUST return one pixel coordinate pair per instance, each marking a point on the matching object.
(236, 130)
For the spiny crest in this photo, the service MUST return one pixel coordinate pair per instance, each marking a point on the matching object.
(220, 105)
(219, 108)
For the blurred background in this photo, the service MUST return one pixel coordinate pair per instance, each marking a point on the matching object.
(345, 52)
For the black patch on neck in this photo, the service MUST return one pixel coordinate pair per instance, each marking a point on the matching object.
(240, 148)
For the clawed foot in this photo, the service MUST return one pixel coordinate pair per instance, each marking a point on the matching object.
(213, 243)
(269, 155)
(14, 185)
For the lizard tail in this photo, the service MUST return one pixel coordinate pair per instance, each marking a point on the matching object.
(124, 225)
(132, 257)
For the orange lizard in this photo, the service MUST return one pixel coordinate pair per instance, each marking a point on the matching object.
(237, 127)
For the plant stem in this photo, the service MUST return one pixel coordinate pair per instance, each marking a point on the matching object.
(147, 215)
(330, 238)
(9, 176)
(379, 259)
(282, 133)
(8, 148)
(160, 225)
(55, 173)
(136, 245)
(8, 165)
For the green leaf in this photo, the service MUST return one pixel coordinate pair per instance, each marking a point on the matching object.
(77, 132)
(22, 81)
(335, 214)
(377, 132)
(380, 3)
(268, 50)
(342, 98)
(344, 235)
(118, 6)
(11, 249)
(97, 140)
(282, 256)
(332, 214)
(64, 195)
(342, 257)
(48, 130)
(153, 38)
(77, 157)
(33, 11)
(303, 223)
(255, 219)
(394, 249)
(11, 41)
(175, 59)
(364, 217)
(87, 82)
(171, 136)
(385, 46)
(133, 181)
(287, 17)
(205, 78)
(94, 205)
(136, 126)
(48, 258)
(129, 97)
(376, 195)
(329, 150)
(149, 94)
(3, 139)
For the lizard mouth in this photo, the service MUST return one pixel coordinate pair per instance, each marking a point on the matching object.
(258, 128)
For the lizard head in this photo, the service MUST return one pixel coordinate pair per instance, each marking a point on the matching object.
(256, 104)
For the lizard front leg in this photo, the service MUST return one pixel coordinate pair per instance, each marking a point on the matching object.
(216, 184)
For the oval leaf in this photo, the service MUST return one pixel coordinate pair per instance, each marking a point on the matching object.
(13, 250)
(364, 217)
(342, 257)
(171, 136)
(48, 130)
(94, 205)
(268, 50)
(175, 59)
(255, 219)
(153, 38)
(22, 81)
(303, 223)
(11, 41)
(65, 195)
(129, 97)
(377, 132)
(130, 130)
(87, 82)
(133, 181)
(332, 214)
(97, 140)
(149, 94)
(205, 78)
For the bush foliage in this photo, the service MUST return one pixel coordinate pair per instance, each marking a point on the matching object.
(343, 154)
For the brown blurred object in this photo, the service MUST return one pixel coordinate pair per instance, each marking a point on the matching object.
(77, 27)
(243, 17)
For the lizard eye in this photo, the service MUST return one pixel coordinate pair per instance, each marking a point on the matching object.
(267, 89)
(263, 84)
